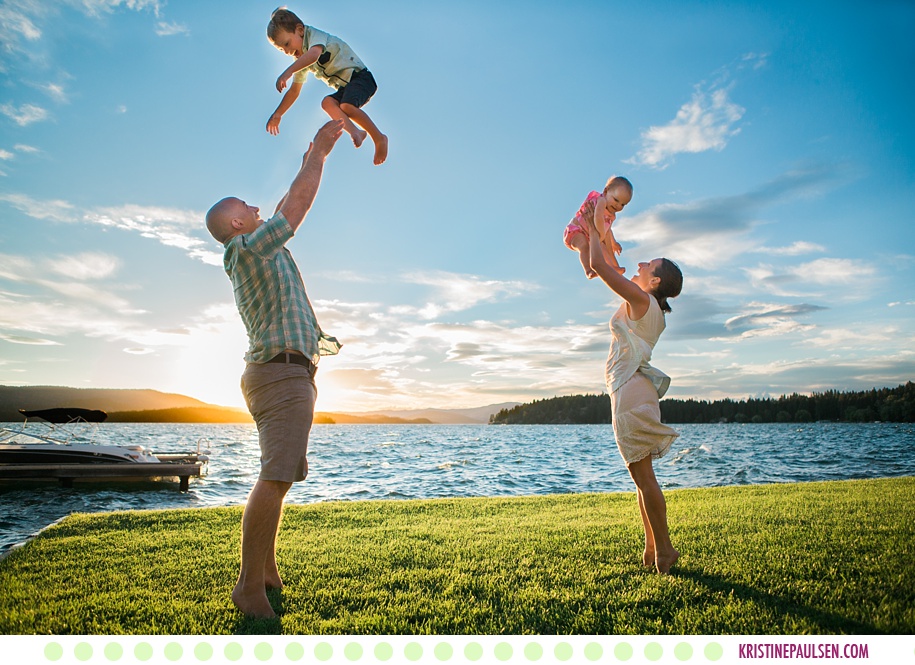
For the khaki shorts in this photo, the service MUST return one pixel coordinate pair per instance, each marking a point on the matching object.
(281, 399)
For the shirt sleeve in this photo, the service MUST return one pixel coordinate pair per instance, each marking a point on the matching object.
(313, 36)
(269, 238)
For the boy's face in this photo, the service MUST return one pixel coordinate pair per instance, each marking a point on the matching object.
(290, 43)
(618, 196)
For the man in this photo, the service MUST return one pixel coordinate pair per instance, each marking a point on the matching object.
(284, 345)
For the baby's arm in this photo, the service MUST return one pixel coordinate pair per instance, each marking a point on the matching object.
(273, 124)
(310, 57)
(608, 241)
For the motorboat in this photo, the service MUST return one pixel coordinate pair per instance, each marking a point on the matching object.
(57, 447)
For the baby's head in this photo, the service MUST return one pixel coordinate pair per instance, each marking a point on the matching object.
(282, 21)
(618, 192)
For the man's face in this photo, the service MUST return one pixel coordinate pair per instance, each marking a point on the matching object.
(248, 217)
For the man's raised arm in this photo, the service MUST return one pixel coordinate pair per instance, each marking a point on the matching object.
(297, 202)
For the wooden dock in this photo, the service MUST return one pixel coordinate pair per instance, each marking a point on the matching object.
(172, 466)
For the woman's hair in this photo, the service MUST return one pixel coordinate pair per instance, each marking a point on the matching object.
(670, 285)
(282, 19)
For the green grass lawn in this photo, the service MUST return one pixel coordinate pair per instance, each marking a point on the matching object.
(834, 557)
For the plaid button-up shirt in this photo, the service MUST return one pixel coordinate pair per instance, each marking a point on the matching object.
(270, 295)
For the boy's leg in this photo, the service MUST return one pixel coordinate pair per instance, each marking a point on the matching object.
(332, 108)
(362, 119)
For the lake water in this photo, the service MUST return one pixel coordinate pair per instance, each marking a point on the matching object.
(358, 462)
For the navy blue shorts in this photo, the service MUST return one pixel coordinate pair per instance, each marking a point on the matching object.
(358, 91)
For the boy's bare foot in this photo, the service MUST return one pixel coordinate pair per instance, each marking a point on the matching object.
(666, 562)
(358, 137)
(381, 149)
(254, 605)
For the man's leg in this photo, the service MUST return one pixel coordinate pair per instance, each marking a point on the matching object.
(259, 527)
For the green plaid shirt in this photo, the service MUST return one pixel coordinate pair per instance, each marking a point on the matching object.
(270, 295)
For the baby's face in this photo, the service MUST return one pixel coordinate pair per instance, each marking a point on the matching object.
(290, 43)
(618, 197)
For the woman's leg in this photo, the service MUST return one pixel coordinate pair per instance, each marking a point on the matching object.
(649, 553)
(655, 512)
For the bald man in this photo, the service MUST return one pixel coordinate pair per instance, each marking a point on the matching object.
(285, 343)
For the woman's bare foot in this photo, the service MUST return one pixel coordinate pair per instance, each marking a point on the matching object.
(666, 562)
(273, 582)
(254, 605)
(381, 149)
(648, 558)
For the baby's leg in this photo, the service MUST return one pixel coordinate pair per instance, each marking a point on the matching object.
(580, 243)
(332, 107)
(362, 119)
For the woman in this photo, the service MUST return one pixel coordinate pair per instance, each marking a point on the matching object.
(635, 386)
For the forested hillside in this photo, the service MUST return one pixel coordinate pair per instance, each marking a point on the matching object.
(886, 404)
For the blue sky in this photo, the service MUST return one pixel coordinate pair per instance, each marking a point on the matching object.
(770, 145)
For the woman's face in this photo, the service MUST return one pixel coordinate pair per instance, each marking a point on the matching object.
(645, 277)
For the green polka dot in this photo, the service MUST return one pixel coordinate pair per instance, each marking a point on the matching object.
(113, 651)
(473, 651)
(443, 651)
(143, 651)
(683, 651)
(173, 651)
(503, 651)
(593, 651)
(233, 651)
(623, 651)
(263, 651)
(353, 651)
(533, 651)
(53, 651)
(203, 651)
(383, 651)
(83, 651)
(413, 651)
(713, 651)
(653, 651)
(563, 651)
(324, 651)
(295, 651)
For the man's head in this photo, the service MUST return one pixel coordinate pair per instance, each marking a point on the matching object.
(231, 217)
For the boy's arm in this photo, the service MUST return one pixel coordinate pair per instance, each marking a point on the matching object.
(273, 124)
(310, 57)
(297, 202)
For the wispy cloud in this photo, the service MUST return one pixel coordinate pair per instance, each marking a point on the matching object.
(455, 292)
(25, 114)
(6, 155)
(165, 29)
(706, 122)
(56, 92)
(794, 249)
(170, 226)
(22, 147)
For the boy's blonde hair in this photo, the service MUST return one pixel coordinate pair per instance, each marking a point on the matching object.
(282, 19)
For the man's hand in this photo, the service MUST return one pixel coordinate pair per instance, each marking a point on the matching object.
(273, 124)
(325, 139)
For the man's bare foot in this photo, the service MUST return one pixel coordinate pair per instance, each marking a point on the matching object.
(358, 137)
(666, 562)
(381, 149)
(648, 558)
(255, 605)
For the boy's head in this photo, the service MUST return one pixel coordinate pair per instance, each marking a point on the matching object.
(618, 192)
(282, 20)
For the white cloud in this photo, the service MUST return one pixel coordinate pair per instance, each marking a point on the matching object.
(453, 292)
(25, 115)
(84, 266)
(22, 147)
(165, 29)
(121, 109)
(56, 92)
(794, 249)
(172, 227)
(6, 155)
(706, 122)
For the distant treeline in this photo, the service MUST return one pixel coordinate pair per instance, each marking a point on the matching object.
(886, 404)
